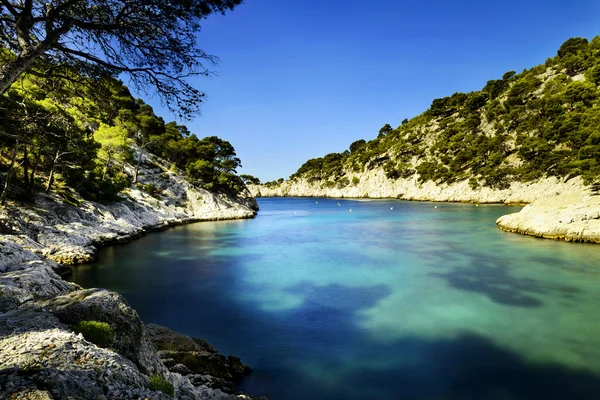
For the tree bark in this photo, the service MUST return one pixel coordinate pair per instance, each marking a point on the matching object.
(51, 177)
(137, 167)
(11, 71)
(105, 168)
(9, 173)
(35, 167)
(26, 165)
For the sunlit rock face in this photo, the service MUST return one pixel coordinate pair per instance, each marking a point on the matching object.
(71, 235)
(574, 217)
(374, 184)
(40, 354)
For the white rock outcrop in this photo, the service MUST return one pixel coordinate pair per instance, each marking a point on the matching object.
(574, 217)
(70, 234)
(374, 184)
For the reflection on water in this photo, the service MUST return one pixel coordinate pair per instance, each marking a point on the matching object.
(414, 302)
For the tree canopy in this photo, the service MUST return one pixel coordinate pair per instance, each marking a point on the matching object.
(66, 137)
(152, 41)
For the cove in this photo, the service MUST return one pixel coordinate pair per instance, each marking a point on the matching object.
(393, 300)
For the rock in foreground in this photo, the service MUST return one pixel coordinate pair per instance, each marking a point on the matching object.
(194, 358)
(45, 353)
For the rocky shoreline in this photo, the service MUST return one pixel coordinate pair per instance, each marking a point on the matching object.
(563, 209)
(60, 341)
(573, 217)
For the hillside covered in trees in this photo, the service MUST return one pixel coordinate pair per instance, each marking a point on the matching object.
(66, 121)
(78, 133)
(542, 122)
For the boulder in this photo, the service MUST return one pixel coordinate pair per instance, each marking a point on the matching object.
(130, 338)
(180, 353)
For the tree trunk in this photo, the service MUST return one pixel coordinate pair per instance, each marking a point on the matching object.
(35, 167)
(9, 173)
(25, 165)
(11, 71)
(105, 168)
(137, 167)
(51, 177)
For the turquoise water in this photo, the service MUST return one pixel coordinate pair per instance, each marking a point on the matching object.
(422, 301)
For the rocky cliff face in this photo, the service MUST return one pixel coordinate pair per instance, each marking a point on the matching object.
(44, 352)
(374, 184)
(70, 234)
(42, 356)
(194, 358)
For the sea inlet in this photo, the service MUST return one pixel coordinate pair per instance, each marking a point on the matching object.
(383, 299)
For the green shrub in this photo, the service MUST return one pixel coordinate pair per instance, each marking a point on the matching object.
(572, 46)
(161, 384)
(328, 185)
(271, 184)
(474, 183)
(355, 180)
(99, 333)
(342, 183)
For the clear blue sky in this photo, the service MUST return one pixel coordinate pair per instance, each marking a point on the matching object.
(302, 78)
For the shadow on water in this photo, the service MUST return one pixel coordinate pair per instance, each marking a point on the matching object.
(471, 367)
(494, 278)
(346, 363)
(496, 282)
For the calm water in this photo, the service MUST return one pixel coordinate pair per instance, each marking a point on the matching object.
(414, 302)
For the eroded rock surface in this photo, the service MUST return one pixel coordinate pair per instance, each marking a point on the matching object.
(571, 217)
(41, 356)
(71, 235)
(374, 184)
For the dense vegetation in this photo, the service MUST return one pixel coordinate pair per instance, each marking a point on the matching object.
(58, 134)
(66, 122)
(542, 122)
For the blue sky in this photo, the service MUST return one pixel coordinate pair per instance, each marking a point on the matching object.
(300, 79)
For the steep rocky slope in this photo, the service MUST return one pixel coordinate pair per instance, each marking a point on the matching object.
(42, 355)
(374, 184)
(70, 233)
